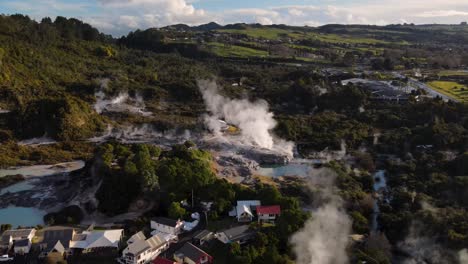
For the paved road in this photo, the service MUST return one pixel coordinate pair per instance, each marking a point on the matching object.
(429, 90)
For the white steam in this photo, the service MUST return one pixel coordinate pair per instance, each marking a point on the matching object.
(325, 236)
(463, 256)
(254, 119)
(121, 103)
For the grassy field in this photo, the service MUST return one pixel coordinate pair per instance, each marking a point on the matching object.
(452, 89)
(277, 33)
(235, 51)
(449, 73)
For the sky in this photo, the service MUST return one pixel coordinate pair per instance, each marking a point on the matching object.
(118, 17)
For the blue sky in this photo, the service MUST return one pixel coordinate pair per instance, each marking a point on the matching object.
(118, 17)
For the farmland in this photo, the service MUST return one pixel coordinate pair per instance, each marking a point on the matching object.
(452, 89)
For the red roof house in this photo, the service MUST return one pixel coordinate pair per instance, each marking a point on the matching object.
(268, 213)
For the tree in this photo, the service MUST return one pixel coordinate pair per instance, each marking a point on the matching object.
(176, 211)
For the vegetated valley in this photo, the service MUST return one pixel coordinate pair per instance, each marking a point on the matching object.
(358, 133)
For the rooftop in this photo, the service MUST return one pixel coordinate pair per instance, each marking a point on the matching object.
(190, 251)
(272, 209)
(22, 243)
(18, 233)
(166, 221)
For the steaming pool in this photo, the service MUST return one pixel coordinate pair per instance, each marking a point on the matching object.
(21, 216)
(30, 216)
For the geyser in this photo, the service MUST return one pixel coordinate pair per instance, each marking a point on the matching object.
(254, 119)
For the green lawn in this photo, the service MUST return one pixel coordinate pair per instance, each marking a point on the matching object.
(452, 89)
(235, 51)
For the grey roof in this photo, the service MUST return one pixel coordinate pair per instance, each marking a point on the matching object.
(5, 240)
(202, 234)
(22, 243)
(238, 232)
(166, 221)
(188, 250)
(64, 235)
(139, 246)
(18, 233)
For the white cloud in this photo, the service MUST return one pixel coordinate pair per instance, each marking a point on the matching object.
(120, 16)
(442, 13)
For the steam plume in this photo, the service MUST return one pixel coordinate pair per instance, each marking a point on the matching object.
(254, 119)
(463, 256)
(121, 103)
(325, 236)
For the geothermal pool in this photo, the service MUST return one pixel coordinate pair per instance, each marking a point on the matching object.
(21, 216)
(30, 216)
(43, 170)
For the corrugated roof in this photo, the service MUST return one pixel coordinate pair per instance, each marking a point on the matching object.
(166, 221)
(272, 209)
(190, 251)
(136, 237)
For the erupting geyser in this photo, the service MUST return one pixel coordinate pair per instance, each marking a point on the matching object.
(254, 119)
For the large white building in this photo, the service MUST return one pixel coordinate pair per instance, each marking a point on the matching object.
(141, 250)
(167, 225)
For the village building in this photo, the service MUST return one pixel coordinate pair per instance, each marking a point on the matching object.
(22, 246)
(89, 241)
(167, 225)
(136, 237)
(57, 240)
(239, 234)
(202, 236)
(244, 211)
(191, 254)
(20, 239)
(268, 213)
(144, 251)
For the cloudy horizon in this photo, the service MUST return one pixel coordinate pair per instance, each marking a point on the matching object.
(118, 17)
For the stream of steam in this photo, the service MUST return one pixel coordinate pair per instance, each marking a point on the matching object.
(325, 236)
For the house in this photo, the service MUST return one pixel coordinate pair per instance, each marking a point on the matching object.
(6, 243)
(22, 246)
(160, 260)
(268, 213)
(191, 254)
(244, 210)
(13, 237)
(136, 237)
(91, 240)
(57, 239)
(167, 225)
(202, 236)
(144, 251)
(239, 234)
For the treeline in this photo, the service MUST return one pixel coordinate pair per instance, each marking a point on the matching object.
(23, 27)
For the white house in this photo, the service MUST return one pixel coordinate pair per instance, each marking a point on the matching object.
(167, 226)
(19, 234)
(144, 251)
(56, 239)
(136, 237)
(22, 246)
(20, 238)
(268, 213)
(91, 240)
(244, 210)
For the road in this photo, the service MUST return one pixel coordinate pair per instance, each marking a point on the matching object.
(417, 84)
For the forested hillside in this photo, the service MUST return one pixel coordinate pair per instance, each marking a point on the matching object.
(56, 75)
